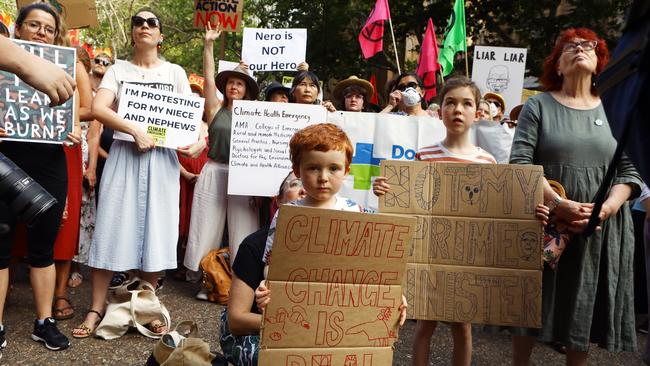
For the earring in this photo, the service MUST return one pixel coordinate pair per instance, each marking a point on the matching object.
(159, 44)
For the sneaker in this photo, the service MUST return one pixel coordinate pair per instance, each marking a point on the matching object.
(49, 334)
(118, 280)
(3, 341)
(202, 294)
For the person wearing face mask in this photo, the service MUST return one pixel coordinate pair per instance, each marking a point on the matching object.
(407, 96)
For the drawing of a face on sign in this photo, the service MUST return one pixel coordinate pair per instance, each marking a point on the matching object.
(498, 78)
(470, 189)
(527, 242)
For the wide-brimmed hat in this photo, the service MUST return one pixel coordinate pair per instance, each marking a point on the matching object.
(353, 80)
(272, 88)
(252, 90)
(514, 113)
(497, 97)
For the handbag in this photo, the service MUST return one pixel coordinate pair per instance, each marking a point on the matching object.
(182, 346)
(556, 235)
(133, 305)
(217, 275)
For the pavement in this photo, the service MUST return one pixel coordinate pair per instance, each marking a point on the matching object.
(134, 349)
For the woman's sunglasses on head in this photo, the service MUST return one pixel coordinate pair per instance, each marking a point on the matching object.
(103, 62)
(138, 21)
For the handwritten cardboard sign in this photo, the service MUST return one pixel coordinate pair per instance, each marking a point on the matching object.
(335, 281)
(173, 120)
(476, 255)
(76, 13)
(259, 143)
(274, 49)
(227, 13)
(24, 112)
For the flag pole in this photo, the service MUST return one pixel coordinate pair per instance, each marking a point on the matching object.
(392, 34)
(466, 65)
(441, 77)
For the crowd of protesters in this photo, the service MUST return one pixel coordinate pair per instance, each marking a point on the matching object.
(110, 217)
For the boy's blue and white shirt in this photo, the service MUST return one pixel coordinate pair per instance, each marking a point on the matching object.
(341, 204)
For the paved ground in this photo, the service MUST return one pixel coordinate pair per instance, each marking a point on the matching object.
(133, 349)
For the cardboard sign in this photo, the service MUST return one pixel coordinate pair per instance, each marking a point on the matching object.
(227, 13)
(500, 70)
(335, 283)
(376, 356)
(274, 49)
(172, 120)
(259, 143)
(24, 112)
(476, 255)
(76, 13)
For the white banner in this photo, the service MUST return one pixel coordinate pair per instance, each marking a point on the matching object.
(259, 147)
(500, 70)
(259, 143)
(172, 120)
(274, 49)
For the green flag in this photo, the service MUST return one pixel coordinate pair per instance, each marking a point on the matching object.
(455, 38)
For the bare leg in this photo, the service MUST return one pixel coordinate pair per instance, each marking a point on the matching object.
(4, 285)
(100, 280)
(576, 358)
(43, 279)
(61, 288)
(422, 344)
(522, 348)
(462, 333)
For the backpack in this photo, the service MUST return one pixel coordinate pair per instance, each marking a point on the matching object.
(217, 275)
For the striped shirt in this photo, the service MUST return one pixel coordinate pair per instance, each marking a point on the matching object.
(439, 153)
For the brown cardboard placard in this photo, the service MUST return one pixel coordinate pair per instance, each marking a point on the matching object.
(476, 295)
(376, 356)
(471, 241)
(335, 279)
(476, 226)
(75, 13)
(227, 13)
(466, 190)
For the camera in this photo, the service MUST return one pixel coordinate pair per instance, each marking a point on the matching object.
(27, 198)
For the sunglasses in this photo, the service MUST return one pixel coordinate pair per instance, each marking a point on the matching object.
(99, 61)
(138, 21)
(411, 84)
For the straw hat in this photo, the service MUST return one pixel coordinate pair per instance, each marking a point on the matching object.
(252, 89)
(353, 80)
(497, 97)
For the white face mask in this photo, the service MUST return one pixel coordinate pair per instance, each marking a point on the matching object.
(411, 97)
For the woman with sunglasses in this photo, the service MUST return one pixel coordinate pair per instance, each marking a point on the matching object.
(212, 204)
(46, 164)
(589, 297)
(138, 210)
(407, 96)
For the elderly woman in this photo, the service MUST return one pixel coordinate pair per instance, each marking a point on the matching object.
(589, 297)
(135, 228)
(407, 96)
(212, 203)
(354, 94)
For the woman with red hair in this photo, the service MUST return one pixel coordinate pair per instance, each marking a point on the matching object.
(588, 298)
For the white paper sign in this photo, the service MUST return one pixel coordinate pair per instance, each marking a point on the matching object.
(173, 120)
(259, 143)
(500, 70)
(274, 49)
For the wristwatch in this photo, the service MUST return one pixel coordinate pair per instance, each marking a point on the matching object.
(554, 203)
